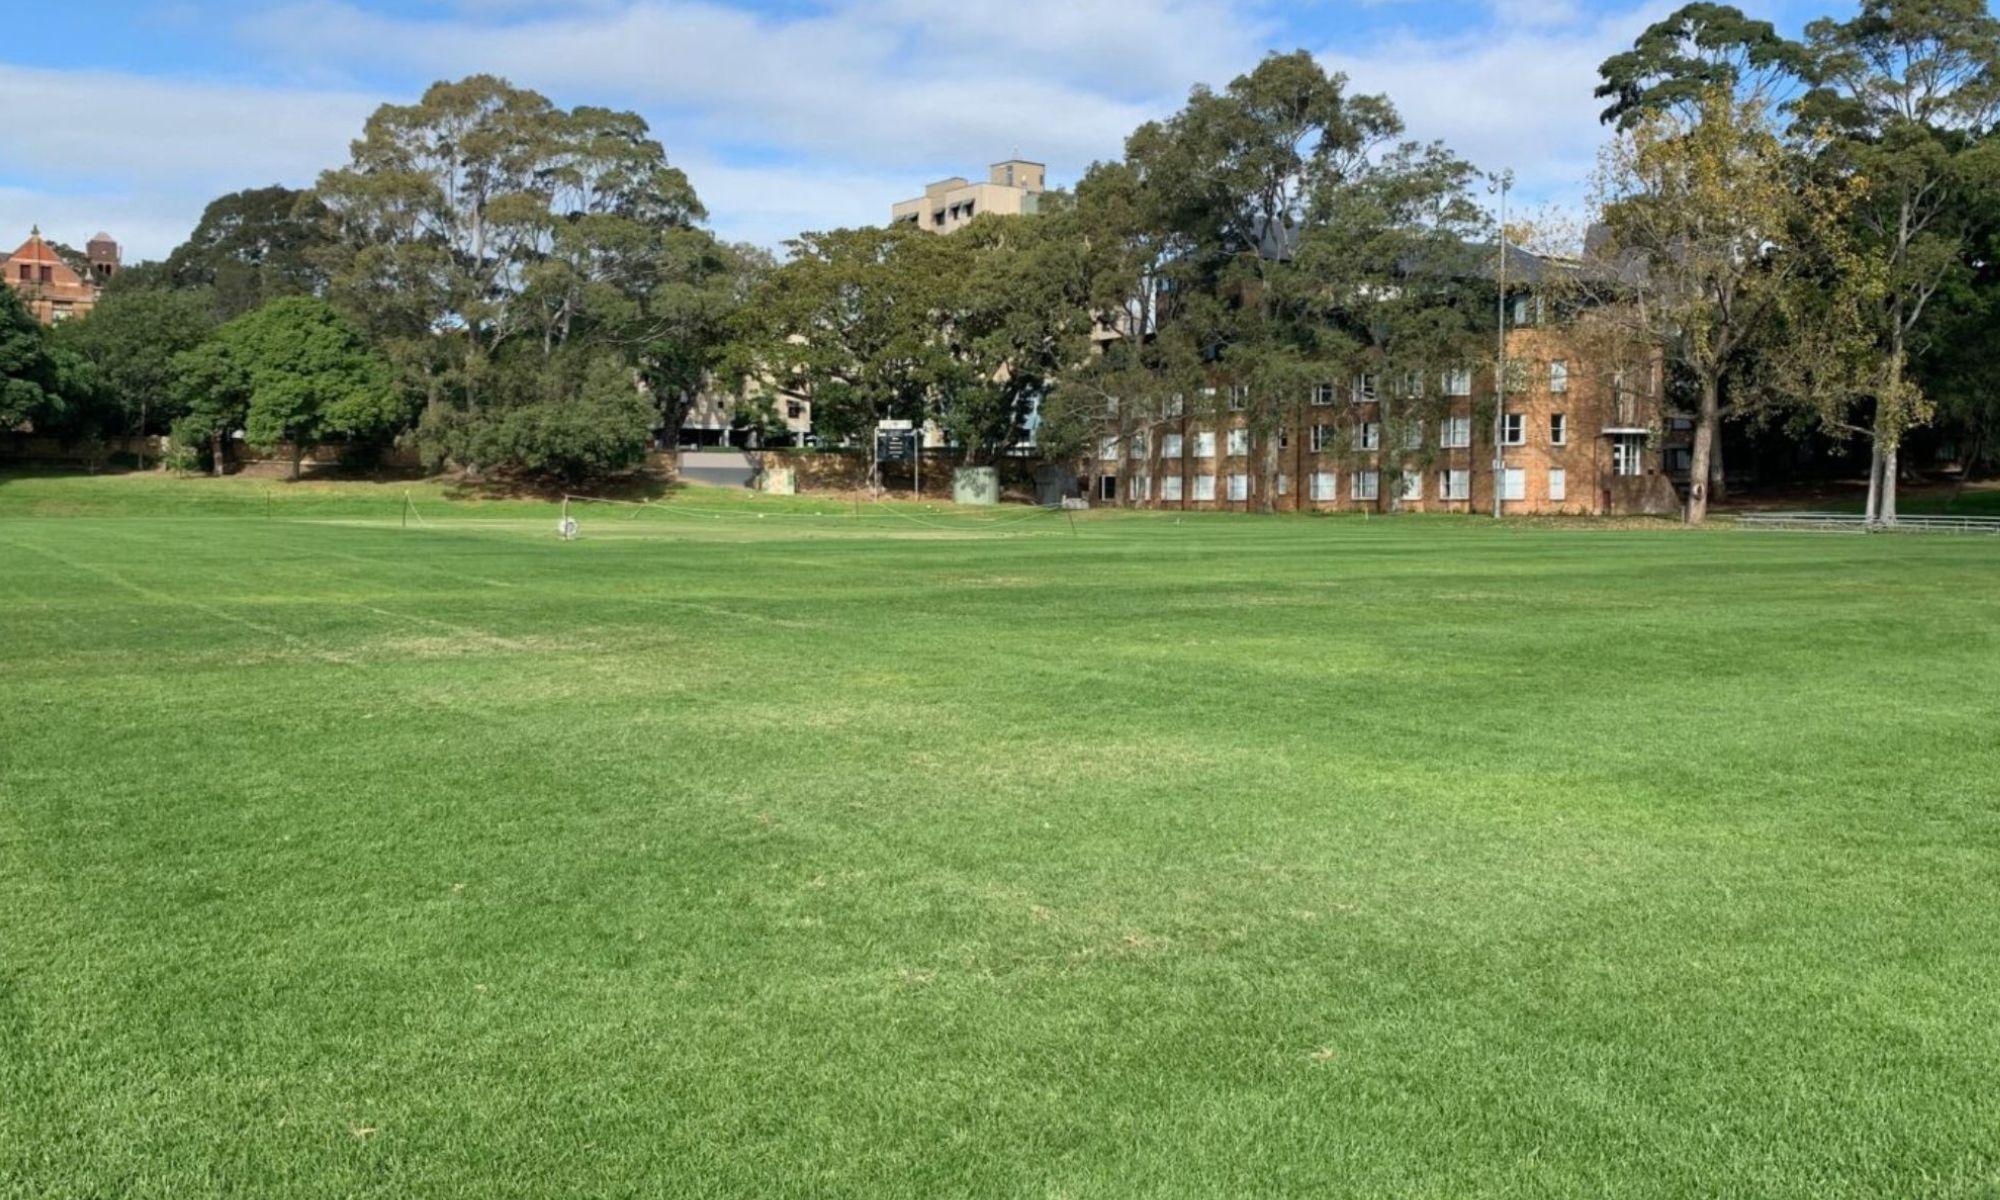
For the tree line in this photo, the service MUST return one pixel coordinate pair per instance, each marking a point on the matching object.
(1800, 230)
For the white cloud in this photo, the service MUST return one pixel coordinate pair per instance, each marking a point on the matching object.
(1515, 96)
(140, 157)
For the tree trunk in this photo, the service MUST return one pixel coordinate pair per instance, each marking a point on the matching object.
(298, 457)
(1705, 422)
(1889, 483)
(215, 453)
(1889, 432)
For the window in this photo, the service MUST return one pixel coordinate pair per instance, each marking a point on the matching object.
(1239, 486)
(1679, 459)
(1322, 394)
(1284, 437)
(1364, 387)
(1204, 487)
(1239, 441)
(1322, 485)
(1170, 445)
(1412, 384)
(1513, 429)
(1365, 485)
(1559, 376)
(1413, 436)
(1524, 310)
(1170, 488)
(1558, 484)
(1517, 375)
(1239, 398)
(1413, 485)
(1108, 450)
(1513, 484)
(1458, 381)
(794, 410)
(937, 218)
(1320, 434)
(1625, 454)
(1107, 487)
(1284, 484)
(1558, 429)
(1454, 485)
(1368, 436)
(968, 208)
(48, 274)
(1456, 433)
(1142, 487)
(27, 273)
(1204, 444)
(1174, 405)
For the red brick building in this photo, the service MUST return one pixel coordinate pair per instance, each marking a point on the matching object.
(1575, 437)
(50, 287)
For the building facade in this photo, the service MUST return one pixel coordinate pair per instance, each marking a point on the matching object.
(50, 287)
(1012, 188)
(1573, 438)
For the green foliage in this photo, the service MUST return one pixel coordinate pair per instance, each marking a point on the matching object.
(130, 339)
(41, 384)
(251, 247)
(292, 371)
(1698, 50)
(573, 416)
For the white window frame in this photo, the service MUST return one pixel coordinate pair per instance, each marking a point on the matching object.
(1204, 487)
(1628, 456)
(1513, 429)
(1204, 444)
(1316, 441)
(1170, 488)
(1558, 429)
(1239, 397)
(1325, 486)
(1238, 485)
(1175, 405)
(1458, 381)
(1364, 485)
(1322, 394)
(1413, 435)
(1107, 450)
(1558, 484)
(1170, 445)
(1138, 447)
(1368, 435)
(1558, 375)
(1454, 483)
(1365, 387)
(1413, 485)
(1284, 484)
(1514, 483)
(1455, 433)
(1238, 441)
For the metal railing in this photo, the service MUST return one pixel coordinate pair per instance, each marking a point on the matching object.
(1840, 522)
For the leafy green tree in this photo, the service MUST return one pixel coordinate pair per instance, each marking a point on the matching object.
(251, 247)
(484, 224)
(1900, 93)
(849, 322)
(1702, 211)
(294, 371)
(130, 339)
(573, 416)
(1696, 51)
(41, 385)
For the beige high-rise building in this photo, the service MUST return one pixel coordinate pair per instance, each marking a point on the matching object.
(1011, 188)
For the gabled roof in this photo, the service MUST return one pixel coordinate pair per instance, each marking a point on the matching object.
(36, 250)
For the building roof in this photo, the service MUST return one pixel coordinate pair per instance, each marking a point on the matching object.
(35, 250)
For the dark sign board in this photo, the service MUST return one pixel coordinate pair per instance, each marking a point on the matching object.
(896, 445)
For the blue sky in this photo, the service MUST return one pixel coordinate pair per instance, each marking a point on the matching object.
(128, 115)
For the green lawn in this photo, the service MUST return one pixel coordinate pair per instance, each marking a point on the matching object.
(751, 847)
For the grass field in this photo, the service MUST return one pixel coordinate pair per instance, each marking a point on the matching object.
(767, 848)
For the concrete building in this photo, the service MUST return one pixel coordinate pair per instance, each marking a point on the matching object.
(1012, 187)
(52, 290)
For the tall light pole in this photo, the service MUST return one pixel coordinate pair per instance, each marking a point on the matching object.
(1500, 183)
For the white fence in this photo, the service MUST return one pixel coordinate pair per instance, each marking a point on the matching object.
(1837, 522)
